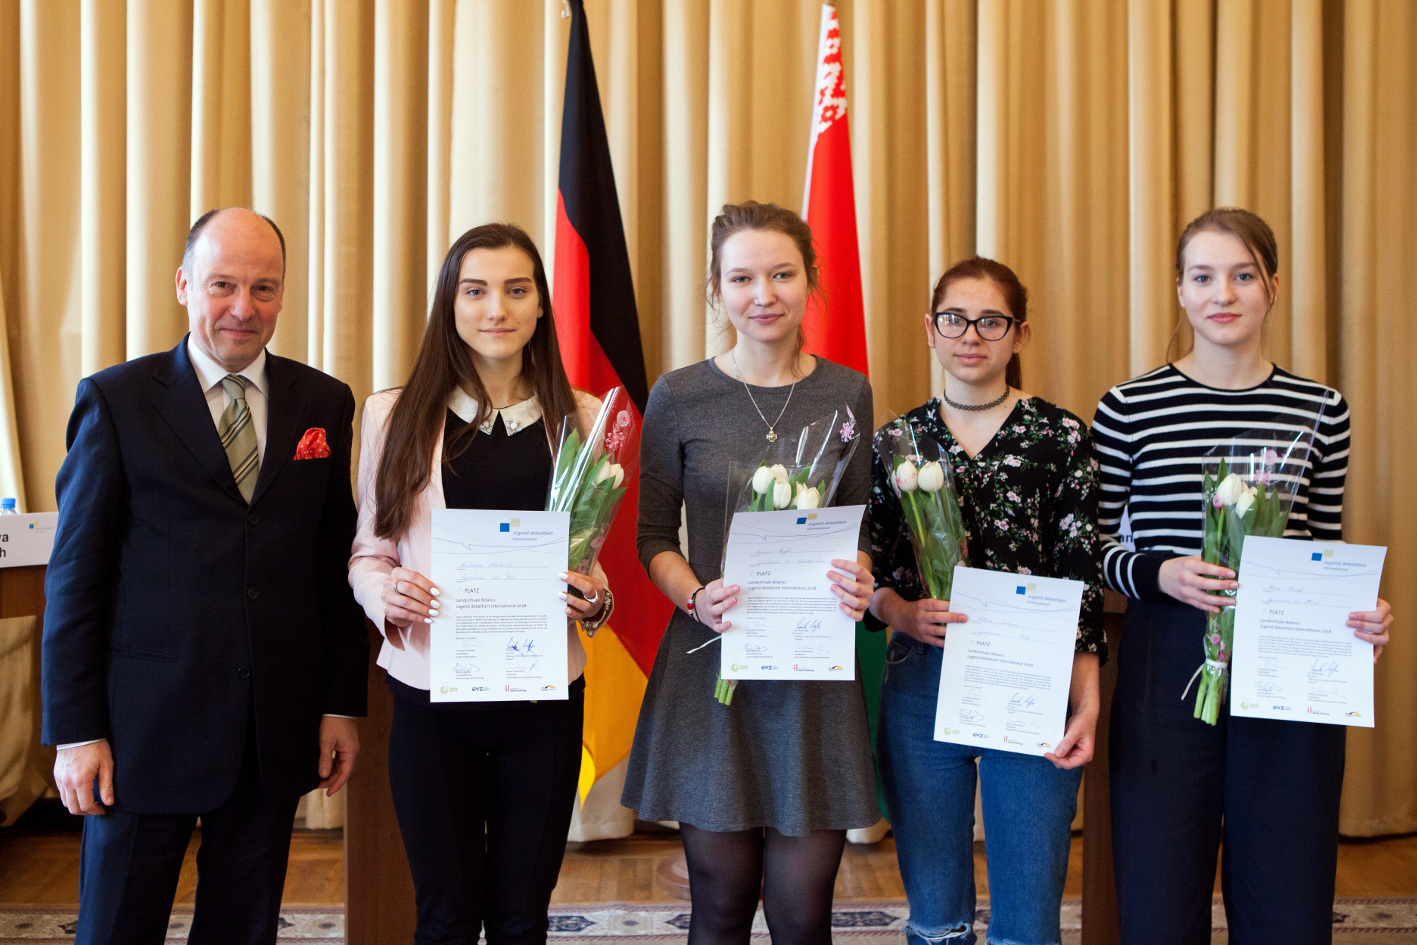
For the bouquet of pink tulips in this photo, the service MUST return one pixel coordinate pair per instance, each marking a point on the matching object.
(921, 479)
(589, 475)
(1248, 489)
(800, 472)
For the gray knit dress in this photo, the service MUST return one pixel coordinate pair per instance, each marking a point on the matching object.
(794, 756)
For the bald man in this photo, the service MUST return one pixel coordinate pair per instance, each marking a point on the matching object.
(203, 655)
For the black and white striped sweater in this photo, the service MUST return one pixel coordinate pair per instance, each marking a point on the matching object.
(1152, 435)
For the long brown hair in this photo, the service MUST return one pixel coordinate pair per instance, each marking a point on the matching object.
(753, 215)
(1015, 297)
(1250, 229)
(445, 363)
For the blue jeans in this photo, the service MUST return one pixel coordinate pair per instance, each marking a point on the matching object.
(1028, 811)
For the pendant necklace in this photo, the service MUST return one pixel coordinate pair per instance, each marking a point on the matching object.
(977, 407)
(771, 435)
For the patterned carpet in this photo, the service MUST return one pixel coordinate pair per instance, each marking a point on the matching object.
(1369, 921)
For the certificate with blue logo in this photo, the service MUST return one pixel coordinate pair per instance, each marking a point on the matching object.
(1006, 672)
(500, 633)
(1295, 657)
(787, 623)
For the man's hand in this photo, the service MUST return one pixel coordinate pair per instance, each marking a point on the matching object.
(75, 770)
(339, 745)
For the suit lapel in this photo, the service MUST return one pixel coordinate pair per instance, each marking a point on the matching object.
(282, 419)
(180, 400)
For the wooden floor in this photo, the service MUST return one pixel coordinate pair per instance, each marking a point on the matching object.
(40, 868)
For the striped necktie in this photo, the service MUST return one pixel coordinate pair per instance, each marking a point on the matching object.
(238, 436)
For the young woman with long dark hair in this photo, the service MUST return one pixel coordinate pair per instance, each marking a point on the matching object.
(483, 790)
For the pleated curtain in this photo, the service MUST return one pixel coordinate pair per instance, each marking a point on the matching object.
(1071, 139)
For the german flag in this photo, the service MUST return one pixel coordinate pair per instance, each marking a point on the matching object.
(599, 330)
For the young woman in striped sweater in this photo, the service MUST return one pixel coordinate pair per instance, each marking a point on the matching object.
(1269, 788)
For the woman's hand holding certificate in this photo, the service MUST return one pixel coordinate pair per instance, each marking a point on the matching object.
(500, 633)
(1007, 670)
(788, 621)
(1295, 655)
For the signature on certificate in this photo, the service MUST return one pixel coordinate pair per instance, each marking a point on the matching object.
(1021, 701)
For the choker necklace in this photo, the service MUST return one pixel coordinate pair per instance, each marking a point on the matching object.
(977, 407)
(771, 435)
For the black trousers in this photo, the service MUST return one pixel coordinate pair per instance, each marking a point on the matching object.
(129, 865)
(484, 797)
(1263, 792)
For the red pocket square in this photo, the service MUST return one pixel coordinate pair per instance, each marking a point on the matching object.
(313, 445)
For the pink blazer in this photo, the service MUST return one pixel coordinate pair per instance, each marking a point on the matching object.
(405, 651)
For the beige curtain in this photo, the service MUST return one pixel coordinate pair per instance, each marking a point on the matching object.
(1070, 138)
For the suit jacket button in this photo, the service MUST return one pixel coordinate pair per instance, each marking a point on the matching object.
(253, 519)
(251, 593)
(244, 672)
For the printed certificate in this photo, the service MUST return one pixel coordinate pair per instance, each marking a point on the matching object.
(787, 623)
(500, 633)
(1294, 656)
(1007, 670)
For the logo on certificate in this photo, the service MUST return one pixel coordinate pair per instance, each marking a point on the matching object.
(509, 525)
(1320, 555)
(804, 519)
(1025, 589)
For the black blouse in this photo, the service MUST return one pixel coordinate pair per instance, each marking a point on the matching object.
(1029, 505)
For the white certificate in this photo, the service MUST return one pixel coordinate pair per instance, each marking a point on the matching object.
(1294, 655)
(1007, 670)
(787, 623)
(500, 633)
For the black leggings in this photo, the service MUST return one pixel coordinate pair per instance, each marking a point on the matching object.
(795, 874)
(484, 799)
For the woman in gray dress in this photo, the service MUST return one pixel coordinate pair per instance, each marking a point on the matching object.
(764, 789)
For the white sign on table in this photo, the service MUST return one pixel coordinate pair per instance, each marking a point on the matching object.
(500, 633)
(1294, 656)
(787, 623)
(27, 539)
(1007, 670)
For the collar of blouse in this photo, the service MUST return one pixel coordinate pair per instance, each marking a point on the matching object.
(515, 418)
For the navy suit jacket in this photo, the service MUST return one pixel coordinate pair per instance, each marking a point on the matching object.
(178, 615)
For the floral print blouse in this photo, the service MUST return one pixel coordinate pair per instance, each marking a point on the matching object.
(1028, 500)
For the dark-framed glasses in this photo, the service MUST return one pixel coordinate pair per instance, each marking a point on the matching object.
(988, 327)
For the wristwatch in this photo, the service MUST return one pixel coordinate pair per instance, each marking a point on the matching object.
(592, 624)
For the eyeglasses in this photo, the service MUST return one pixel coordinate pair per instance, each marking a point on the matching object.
(988, 327)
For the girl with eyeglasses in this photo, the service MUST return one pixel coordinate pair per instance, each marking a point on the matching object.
(1027, 485)
(1269, 789)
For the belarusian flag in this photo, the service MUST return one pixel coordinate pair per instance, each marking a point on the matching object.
(599, 333)
(829, 207)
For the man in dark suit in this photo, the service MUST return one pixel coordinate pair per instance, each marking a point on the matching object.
(203, 654)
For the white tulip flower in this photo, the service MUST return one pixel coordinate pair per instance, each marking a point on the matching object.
(763, 480)
(906, 476)
(807, 498)
(779, 472)
(1230, 489)
(781, 494)
(1247, 499)
(931, 477)
(611, 470)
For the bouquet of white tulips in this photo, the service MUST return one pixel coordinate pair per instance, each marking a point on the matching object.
(1247, 490)
(919, 473)
(800, 472)
(590, 473)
